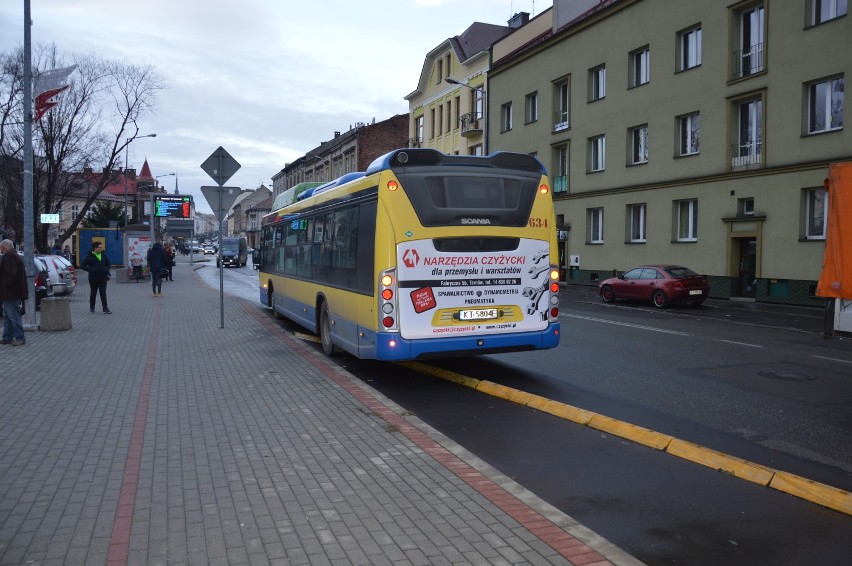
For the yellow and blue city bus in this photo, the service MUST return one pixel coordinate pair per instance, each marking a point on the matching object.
(423, 255)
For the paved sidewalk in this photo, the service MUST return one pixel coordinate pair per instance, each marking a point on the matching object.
(153, 436)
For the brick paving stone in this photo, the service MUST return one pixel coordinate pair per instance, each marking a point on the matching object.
(187, 443)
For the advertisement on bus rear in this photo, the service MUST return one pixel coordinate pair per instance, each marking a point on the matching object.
(459, 294)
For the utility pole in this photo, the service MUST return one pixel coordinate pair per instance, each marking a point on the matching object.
(29, 228)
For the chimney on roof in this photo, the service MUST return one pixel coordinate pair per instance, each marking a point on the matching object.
(337, 134)
(519, 19)
(131, 173)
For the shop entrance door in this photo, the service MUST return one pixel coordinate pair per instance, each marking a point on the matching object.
(746, 285)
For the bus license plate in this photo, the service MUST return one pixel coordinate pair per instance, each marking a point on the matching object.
(696, 292)
(478, 314)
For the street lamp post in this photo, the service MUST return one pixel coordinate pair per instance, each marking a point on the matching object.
(126, 146)
(484, 110)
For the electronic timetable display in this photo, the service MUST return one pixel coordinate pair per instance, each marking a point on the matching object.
(173, 206)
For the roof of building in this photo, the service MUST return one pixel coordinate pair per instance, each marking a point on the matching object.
(145, 174)
(476, 39)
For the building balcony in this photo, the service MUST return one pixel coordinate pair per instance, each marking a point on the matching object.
(471, 124)
(560, 121)
(746, 155)
(748, 61)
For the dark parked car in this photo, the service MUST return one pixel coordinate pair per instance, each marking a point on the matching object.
(659, 284)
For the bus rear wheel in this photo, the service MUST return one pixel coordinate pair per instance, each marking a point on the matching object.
(328, 347)
(271, 302)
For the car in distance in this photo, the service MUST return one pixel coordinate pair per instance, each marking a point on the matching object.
(234, 252)
(661, 285)
(65, 271)
(209, 250)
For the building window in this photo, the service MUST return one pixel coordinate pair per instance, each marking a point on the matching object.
(560, 180)
(749, 56)
(458, 112)
(431, 123)
(597, 83)
(825, 105)
(690, 48)
(745, 206)
(418, 130)
(816, 211)
(687, 220)
(597, 153)
(531, 107)
(560, 114)
(596, 225)
(440, 119)
(689, 127)
(439, 72)
(639, 144)
(636, 213)
(825, 10)
(449, 115)
(75, 211)
(640, 67)
(749, 146)
(506, 117)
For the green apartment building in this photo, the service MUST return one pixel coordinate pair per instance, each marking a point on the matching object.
(693, 132)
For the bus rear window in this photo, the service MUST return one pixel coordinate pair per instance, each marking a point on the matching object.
(466, 199)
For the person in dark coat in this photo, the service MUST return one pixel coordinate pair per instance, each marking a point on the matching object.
(96, 263)
(170, 256)
(13, 289)
(157, 262)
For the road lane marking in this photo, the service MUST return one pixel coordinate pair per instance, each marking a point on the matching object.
(627, 324)
(833, 359)
(809, 490)
(741, 343)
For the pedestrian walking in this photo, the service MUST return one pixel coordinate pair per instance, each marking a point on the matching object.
(96, 263)
(170, 256)
(13, 290)
(157, 264)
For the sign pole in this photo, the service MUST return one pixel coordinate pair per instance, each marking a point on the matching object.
(219, 255)
(221, 167)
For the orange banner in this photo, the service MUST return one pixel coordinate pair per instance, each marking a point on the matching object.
(835, 281)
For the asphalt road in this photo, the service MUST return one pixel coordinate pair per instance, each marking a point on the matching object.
(756, 381)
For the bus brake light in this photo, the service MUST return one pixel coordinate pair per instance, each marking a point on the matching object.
(544, 189)
(393, 186)
(387, 321)
(554, 287)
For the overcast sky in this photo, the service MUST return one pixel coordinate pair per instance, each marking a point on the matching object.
(267, 80)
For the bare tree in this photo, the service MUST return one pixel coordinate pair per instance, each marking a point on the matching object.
(87, 130)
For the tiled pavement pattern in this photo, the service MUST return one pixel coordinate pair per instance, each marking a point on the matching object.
(153, 436)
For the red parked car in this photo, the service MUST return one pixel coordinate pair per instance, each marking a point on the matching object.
(659, 284)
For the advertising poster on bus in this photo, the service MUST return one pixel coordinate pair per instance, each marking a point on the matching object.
(457, 294)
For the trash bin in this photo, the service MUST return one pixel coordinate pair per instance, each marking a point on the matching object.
(55, 314)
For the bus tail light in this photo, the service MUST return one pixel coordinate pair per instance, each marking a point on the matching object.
(387, 300)
(553, 311)
(544, 189)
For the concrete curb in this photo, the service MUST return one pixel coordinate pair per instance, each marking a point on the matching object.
(803, 488)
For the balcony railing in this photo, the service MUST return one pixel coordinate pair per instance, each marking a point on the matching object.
(471, 124)
(560, 120)
(560, 184)
(744, 155)
(748, 61)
